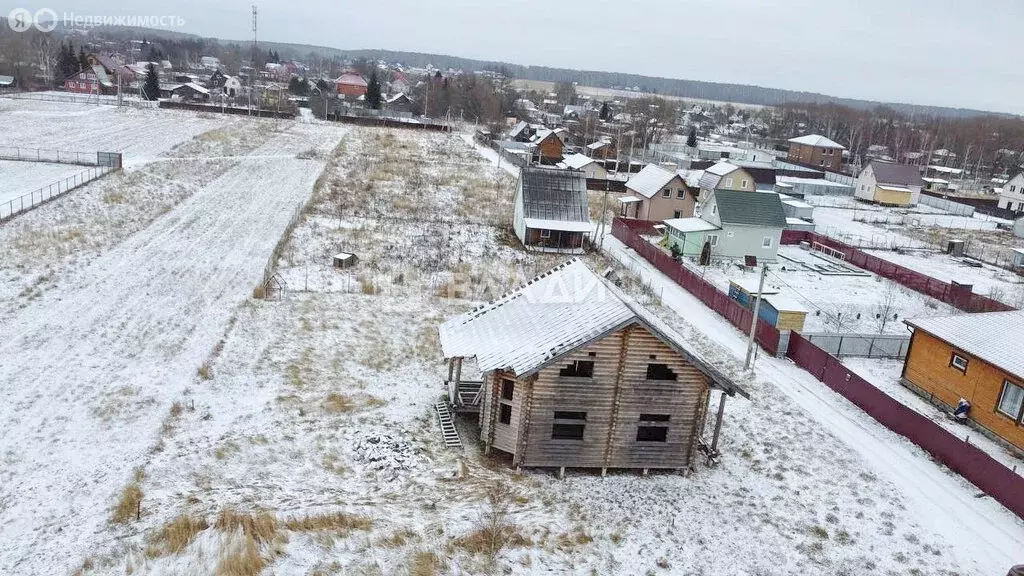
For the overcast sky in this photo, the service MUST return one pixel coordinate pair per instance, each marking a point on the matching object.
(939, 52)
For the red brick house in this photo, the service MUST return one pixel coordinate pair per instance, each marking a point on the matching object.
(351, 84)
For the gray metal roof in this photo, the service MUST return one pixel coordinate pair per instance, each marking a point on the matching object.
(899, 174)
(554, 194)
(552, 315)
(750, 208)
(990, 336)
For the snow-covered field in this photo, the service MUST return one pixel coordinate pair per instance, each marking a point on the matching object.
(20, 178)
(997, 283)
(879, 230)
(140, 135)
(92, 365)
(295, 435)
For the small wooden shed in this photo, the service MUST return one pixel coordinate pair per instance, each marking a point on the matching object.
(344, 260)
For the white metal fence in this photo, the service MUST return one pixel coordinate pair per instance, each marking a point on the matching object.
(29, 201)
(54, 156)
(76, 98)
(947, 205)
(862, 345)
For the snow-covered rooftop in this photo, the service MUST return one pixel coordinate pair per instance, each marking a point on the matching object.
(552, 315)
(817, 140)
(650, 180)
(690, 224)
(577, 161)
(721, 168)
(987, 335)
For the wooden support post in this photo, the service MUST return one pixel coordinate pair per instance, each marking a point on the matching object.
(451, 368)
(487, 449)
(718, 423)
(561, 472)
(604, 472)
(645, 472)
(458, 374)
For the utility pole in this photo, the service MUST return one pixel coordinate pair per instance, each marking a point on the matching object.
(753, 322)
(604, 213)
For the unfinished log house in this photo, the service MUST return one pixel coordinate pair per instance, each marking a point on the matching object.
(578, 375)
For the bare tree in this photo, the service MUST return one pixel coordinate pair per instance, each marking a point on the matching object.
(885, 309)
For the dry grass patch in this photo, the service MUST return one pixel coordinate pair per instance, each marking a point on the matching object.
(334, 522)
(260, 527)
(241, 557)
(398, 539)
(129, 504)
(336, 403)
(205, 372)
(425, 563)
(176, 535)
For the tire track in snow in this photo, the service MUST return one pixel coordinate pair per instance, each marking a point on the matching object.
(141, 317)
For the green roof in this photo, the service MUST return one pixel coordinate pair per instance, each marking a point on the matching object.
(750, 208)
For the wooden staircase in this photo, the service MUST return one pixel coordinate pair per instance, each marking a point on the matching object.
(469, 394)
(448, 430)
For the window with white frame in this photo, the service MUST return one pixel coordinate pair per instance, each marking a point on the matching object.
(713, 239)
(728, 182)
(766, 242)
(1011, 400)
(959, 362)
(743, 183)
(666, 193)
(681, 194)
(545, 233)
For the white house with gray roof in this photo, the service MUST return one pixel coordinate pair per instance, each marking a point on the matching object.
(749, 224)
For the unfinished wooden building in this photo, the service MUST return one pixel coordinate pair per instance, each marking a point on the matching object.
(578, 375)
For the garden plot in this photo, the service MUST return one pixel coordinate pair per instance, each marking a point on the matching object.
(996, 283)
(306, 444)
(836, 302)
(140, 134)
(20, 178)
(91, 367)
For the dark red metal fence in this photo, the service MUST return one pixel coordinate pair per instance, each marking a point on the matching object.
(949, 293)
(629, 232)
(993, 478)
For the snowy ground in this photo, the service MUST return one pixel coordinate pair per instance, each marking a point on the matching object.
(92, 365)
(40, 247)
(144, 365)
(925, 232)
(885, 375)
(20, 178)
(140, 135)
(997, 283)
(320, 403)
(834, 303)
(971, 535)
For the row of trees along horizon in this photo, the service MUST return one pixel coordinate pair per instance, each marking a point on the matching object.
(981, 142)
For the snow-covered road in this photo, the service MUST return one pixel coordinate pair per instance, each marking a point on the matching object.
(88, 372)
(979, 533)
